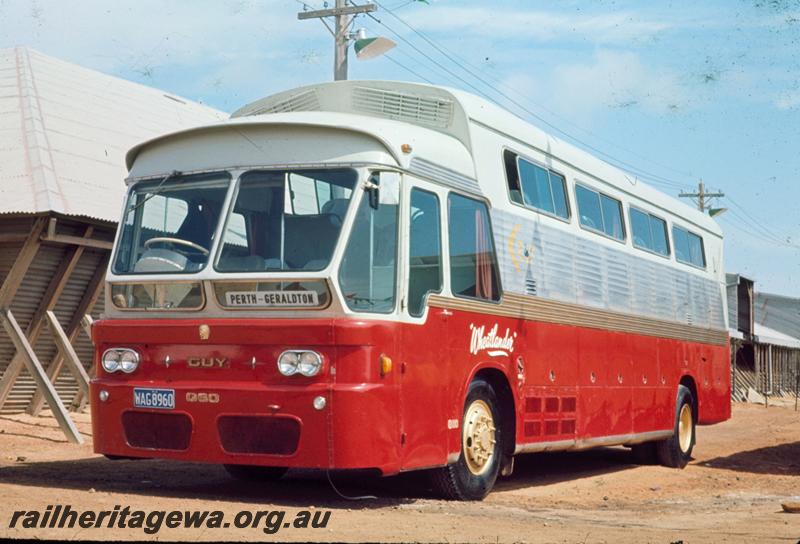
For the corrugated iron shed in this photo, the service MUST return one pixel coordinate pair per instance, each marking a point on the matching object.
(64, 132)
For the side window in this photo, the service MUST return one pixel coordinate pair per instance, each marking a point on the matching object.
(512, 176)
(600, 212)
(368, 273)
(658, 227)
(473, 263)
(688, 247)
(649, 232)
(424, 250)
(535, 187)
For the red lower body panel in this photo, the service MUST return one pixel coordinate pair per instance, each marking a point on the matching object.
(244, 428)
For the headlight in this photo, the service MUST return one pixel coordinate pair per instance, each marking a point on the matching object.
(287, 363)
(124, 359)
(307, 363)
(310, 363)
(129, 361)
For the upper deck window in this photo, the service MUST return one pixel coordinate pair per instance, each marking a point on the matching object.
(649, 232)
(473, 264)
(599, 212)
(285, 221)
(688, 247)
(169, 224)
(536, 187)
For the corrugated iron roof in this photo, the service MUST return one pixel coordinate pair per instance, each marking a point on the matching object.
(65, 129)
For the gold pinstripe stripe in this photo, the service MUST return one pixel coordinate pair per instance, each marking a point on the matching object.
(565, 313)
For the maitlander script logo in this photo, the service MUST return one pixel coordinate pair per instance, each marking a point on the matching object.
(495, 346)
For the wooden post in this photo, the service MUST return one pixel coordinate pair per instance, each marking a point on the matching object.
(796, 383)
(734, 359)
(86, 323)
(48, 302)
(9, 289)
(68, 352)
(40, 377)
(23, 261)
(80, 399)
(90, 296)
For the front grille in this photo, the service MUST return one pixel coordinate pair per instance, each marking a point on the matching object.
(155, 431)
(267, 435)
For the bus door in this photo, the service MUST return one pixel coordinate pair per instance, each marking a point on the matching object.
(424, 369)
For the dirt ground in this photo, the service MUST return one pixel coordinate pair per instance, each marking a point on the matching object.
(732, 492)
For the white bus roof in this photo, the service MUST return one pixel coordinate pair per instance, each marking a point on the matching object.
(437, 123)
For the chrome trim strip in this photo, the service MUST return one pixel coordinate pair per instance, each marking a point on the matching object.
(587, 443)
(534, 308)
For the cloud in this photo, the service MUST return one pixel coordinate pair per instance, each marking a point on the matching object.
(788, 100)
(220, 51)
(607, 28)
(616, 79)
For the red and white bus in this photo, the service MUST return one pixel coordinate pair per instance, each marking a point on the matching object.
(392, 276)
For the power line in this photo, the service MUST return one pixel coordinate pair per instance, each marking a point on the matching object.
(639, 172)
(406, 68)
(454, 57)
(762, 232)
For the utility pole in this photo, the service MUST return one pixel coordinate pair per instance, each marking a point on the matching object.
(702, 197)
(341, 35)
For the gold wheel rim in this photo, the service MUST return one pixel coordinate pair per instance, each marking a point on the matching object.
(478, 437)
(685, 428)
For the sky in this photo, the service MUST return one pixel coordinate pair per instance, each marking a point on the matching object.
(673, 91)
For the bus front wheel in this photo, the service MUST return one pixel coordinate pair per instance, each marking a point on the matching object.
(676, 451)
(474, 474)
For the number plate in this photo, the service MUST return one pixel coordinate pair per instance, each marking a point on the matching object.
(154, 398)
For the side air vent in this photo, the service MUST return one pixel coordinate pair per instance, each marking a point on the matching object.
(530, 286)
(305, 101)
(422, 110)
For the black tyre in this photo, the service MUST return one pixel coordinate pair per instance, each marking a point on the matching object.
(676, 451)
(251, 473)
(472, 477)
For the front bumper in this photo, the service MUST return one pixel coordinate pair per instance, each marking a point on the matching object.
(356, 429)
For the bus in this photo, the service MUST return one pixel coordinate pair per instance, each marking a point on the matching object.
(393, 277)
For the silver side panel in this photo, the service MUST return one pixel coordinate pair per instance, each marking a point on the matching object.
(538, 259)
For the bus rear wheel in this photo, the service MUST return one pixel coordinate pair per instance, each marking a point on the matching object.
(676, 451)
(252, 473)
(472, 477)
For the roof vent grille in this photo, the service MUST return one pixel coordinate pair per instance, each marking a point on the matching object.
(422, 110)
(305, 101)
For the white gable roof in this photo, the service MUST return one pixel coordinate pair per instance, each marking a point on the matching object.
(64, 132)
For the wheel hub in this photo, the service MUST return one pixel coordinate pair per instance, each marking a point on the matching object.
(479, 437)
(685, 428)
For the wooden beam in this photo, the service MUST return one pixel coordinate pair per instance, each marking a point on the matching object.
(78, 241)
(88, 301)
(8, 291)
(40, 377)
(23, 261)
(80, 399)
(86, 324)
(68, 352)
(49, 300)
(12, 238)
